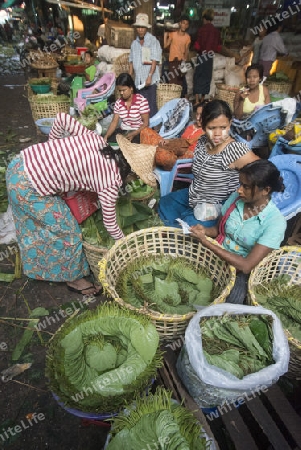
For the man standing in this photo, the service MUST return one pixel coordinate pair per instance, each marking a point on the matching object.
(179, 42)
(145, 57)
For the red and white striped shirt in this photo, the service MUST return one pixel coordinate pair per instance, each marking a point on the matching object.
(71, 160)
(131, 118)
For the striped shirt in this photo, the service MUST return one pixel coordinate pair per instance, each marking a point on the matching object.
(213, 180)
(142, 70)
(71, 160)
(131, 118)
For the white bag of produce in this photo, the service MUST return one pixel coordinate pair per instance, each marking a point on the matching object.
(234, 76)
(218, 74)
(210, 385)
(219, 61)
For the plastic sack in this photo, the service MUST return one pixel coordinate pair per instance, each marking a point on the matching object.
(234, 76)
(7, 227)
(207, 211)
(210, 385)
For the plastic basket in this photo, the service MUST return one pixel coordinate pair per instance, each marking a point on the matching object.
(286, 260)
(81, 204)
(47, 109)
(171, 241)
(227, 93)
(166, 92)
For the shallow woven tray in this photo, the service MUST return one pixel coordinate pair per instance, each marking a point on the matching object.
(167, 92)
(286, 260)
(171, 241)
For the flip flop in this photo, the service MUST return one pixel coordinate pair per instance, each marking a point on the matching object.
(81, 291)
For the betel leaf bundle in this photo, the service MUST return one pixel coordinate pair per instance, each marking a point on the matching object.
(239, 344)
(101, 359)
(167, 284)
(284, 299)
(157, 420)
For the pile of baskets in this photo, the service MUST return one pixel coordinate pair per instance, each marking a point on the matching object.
(163, 240)
(167, 92)
(285, 261)
(227, 93)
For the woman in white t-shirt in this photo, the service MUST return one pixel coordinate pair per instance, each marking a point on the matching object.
(131, 109)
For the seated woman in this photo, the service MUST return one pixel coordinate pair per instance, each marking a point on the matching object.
(192, 133)
(91, 65)
(253, 95)
(217, 159)
(132, 109)
(49, 237)
(251, 225)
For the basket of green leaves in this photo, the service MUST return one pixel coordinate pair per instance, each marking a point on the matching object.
(275, 284)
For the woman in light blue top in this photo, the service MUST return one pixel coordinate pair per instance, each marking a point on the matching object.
(251, 226)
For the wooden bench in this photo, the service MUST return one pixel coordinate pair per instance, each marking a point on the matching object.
(266, 422)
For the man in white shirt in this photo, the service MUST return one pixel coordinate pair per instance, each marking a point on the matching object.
(145, 56)
(272, 44)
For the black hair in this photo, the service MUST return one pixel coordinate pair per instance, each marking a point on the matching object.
(125, 79)
(263, 173)
(124, 167)
(273, 23)
(212, 110)
(88, 52)
(257, 67)
(208, 14)
(184, 18)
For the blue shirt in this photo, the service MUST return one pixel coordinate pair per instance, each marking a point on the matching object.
(267, 228)
(142, 70)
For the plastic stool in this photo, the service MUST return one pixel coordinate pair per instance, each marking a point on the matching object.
(166, 178)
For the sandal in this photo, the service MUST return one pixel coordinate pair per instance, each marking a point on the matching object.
(82, 291)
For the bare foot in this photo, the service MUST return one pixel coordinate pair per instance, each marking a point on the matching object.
(84, 287)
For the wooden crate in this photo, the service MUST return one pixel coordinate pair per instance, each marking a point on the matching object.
(264, 422)
(119, 34)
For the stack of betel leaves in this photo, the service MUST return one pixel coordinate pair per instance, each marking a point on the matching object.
(132, 215)
(284, 299)
(239, 344)
(156, 420)
(164, 283)
(100, 360)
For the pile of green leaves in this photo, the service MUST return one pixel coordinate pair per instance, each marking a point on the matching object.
(157, 420)
(39, 81)
(285, 300)
(89, 117)
(170, 285)
(278, 76)
(131, 216)
(240, 344)
(100, 359)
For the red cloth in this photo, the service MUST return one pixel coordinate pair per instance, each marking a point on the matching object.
(208, 39)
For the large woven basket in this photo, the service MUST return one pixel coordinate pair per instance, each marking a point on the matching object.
(166, 92)
(44, 110)
(121, 64)
(170, 241)
(94, 254)
(284, 87)
(227, 93)
(286, 260)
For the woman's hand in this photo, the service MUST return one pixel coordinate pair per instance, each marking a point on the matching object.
(130, 136)
(199, 232)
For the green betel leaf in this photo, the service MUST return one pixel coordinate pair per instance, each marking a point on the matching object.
(25, 340)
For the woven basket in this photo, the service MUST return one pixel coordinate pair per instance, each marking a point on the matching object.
(44, 110)
(286, 260)
(166, 92)
(227, 93)
(171, 241)
(121, 65)
(284, 87)
(94, 254)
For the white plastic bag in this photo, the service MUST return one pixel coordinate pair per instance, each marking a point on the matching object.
(234, 76)
(209, 385)
(7, 227)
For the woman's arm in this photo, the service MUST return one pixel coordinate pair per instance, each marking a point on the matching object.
(65, 125)
(238, 106)
(112, 127)
(244, 160)
(244, 264)
(266, 94)
(145, 123)
(108, 200)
